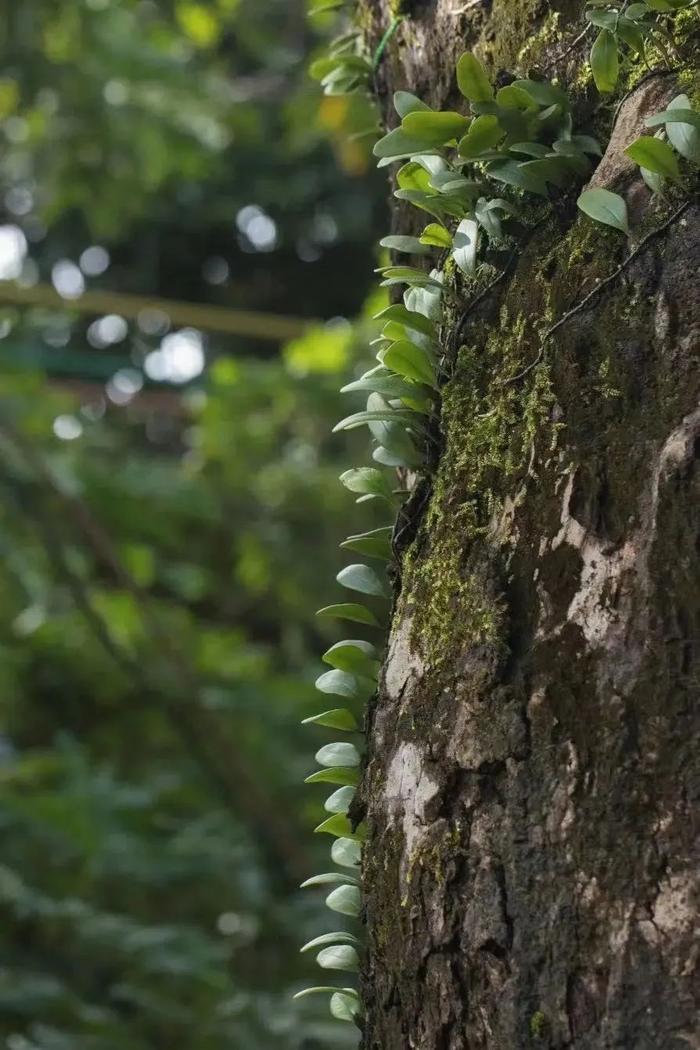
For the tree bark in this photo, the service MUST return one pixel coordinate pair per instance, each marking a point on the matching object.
(531, 874)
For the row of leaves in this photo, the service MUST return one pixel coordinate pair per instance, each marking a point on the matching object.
(626, 31)
(471, 174)
(398, 401)
(521, 138)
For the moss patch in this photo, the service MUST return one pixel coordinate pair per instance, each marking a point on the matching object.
(531, 52)
(538, 1025)
(449, 599)
(489, 426)
(498, 433)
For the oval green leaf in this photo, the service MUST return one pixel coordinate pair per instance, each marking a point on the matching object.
(353, 655)
(410, 361)
(605, 64)
(344, 1006)
(472, 80)
(683, 134)
(374, 544)
(409, 318)
(398, 144)
(339, 957)
(654, 155)
(405, 102)
(384, 415)
(345, 900)
(340, 937)
(605, 207)
(544, 93)
(434, 129)
(391, 386)
(334, 775)
(329, 878)
(315, 991)
(408, 245)
(466, 243)
(484, 132)
(346, 852)
(436, 235)
(338, 753)
(514, 97)
(340, 683)
(337, 718)
(339, 826)
(349, 611)
(367, 481)
(514, 173)
(362, 578)
(340, 800)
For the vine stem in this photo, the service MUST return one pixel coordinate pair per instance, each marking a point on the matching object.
(574, 43)
(393, 26)
(479, 298)
(599, 287)
(647, 76)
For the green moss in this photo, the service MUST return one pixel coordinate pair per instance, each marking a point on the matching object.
(496, 432)
(449, 268)
(659, 54)
(606, 387)
(583, 78)
(446, 594)
(634, 68)
(489, 425)
(686, 34)
(434, 856)
(538, 1024)
(549, 33)
(689, 83)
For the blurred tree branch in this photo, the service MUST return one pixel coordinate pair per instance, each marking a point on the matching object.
(206, 316)
(204, 733)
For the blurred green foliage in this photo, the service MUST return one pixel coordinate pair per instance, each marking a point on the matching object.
(163, 547)
(151, 127)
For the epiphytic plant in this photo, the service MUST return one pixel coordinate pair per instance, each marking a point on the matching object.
(625, 33)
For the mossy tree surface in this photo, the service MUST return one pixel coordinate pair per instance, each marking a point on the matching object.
(529, 877)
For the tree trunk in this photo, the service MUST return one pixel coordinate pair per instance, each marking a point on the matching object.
(531, 872)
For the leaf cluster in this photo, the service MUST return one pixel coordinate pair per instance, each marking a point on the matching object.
(625, 32)
(678, 133)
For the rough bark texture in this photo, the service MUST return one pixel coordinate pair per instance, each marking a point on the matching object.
(531, 875)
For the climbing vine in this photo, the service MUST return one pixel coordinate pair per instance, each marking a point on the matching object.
(479, 178)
